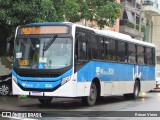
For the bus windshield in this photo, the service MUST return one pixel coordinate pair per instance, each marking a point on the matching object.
(43, 53)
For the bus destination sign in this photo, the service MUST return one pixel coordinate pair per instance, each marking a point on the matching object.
(44, 30)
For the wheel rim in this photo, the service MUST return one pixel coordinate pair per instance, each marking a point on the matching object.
(4, 90)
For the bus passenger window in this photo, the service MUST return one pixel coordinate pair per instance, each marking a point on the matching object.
(83, 51)
(110, 49)
(101, 49)
(131, 53)
(140, 54)
(95, 46)
(121, 52)
(149, 56)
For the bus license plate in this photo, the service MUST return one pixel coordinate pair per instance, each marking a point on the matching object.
(36, 93)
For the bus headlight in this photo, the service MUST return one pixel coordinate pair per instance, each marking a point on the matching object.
(14, 78)
(66, 79)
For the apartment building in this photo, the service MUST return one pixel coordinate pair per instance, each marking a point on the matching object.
(152, 14)
(131, 21)
(140, 19)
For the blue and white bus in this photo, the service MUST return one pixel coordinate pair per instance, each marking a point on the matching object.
(63, 59)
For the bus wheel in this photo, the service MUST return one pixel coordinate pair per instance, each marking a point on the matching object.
(136, 90)
(91, 99)
(45, 101)
(135, 93)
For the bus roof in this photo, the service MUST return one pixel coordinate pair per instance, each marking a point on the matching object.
(123, 37)
(117, 35)
(49, 23)
(108, 33)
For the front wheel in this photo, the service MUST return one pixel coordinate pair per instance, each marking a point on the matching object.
(91, 99)
(45, 101)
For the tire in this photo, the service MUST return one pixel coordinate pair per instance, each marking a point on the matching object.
(135, 93)
(5, 89)
(45, 101)
(136, 90)
(91, 99)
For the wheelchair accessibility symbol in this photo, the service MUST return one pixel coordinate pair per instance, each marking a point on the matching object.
(41, 65)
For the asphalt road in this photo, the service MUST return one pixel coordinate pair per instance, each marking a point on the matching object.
(116, 107)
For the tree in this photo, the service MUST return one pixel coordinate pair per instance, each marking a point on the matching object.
(103, 12)
(18, 12)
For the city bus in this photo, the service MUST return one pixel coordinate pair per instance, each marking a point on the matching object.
(63, 59)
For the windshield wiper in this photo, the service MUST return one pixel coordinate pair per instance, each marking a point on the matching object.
(32, 46)
(49, 43)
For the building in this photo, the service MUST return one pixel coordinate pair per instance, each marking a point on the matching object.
(152, 14)
(131, 21)
(140, 19)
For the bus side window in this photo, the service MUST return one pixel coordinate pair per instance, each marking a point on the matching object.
(95, 47)
(110, 49)
(131, 53)
(82, 51)
(149, 56)
(121, 52)
(101, 49)
(81, 47)
(140, 54)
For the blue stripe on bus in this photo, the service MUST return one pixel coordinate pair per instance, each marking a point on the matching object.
(43, 83)
(107, 71)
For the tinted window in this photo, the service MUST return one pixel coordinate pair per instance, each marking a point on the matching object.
(121, 52)
(110, 49)
(81, 47)
(149, 56)
(140, 54)
(101, 48)
(131, 53)
(94, 42)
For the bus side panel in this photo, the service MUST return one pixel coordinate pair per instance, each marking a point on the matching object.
(115, 78)
(147, 85)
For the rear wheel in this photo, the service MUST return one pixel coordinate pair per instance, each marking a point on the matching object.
(91, 99)
(136, 90)
(135, 93)
(45, 101)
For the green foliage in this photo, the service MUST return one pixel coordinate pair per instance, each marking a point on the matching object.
(18, 12)
(104, 12)
(71, 11)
